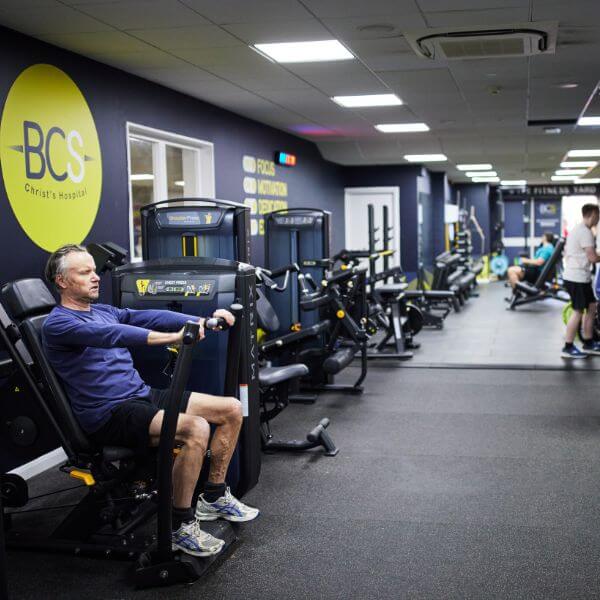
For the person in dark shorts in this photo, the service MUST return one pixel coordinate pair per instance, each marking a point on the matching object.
(580, 254)
(530, 268)
(86, 344)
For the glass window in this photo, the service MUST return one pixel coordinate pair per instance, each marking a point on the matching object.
(162, 166)
(141, 154)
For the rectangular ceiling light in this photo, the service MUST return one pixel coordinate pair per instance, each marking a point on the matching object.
(300, 52)
(583, 153)
(574, 164)
(367, 100)
(589, 122)
(564, 177)
(419, 158)
(571, 171)
(141, 177)
(513, 183)
(591, 180)
(478, 167)
(401, 127)
(485, 179)
(481, 174)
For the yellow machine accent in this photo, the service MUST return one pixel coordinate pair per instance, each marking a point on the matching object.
(340, 314)
(260, 335)
(296, 327)
(84, 476)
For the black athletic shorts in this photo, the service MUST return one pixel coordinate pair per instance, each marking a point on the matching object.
(129, 423)
(582, 294)
(530, 274)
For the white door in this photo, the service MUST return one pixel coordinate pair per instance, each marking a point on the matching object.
(356, 202)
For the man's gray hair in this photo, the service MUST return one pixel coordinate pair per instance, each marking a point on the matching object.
(56, 264)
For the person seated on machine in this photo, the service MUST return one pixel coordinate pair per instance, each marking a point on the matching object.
(86, 344)
(530, 268)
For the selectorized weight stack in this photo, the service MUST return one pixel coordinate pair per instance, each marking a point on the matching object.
(199, 286)
(196, 227)
(301, 236)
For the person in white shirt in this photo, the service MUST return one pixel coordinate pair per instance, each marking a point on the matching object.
(580, 254)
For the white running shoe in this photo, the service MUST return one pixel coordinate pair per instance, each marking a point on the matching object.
(226, 507)
(191, 539)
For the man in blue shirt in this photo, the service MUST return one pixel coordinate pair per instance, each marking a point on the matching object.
(530, 268)
(86, 344)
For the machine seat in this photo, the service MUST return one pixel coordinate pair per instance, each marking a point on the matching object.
(270, 376)
(391, 288)
(527, 288)
(115, 453)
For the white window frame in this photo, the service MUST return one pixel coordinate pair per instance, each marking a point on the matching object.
(204, 153)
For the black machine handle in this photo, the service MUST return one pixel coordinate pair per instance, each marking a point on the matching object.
(169, 426)
(167, 438)
(314, 303)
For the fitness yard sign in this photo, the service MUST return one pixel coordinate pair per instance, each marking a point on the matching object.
(50, 157)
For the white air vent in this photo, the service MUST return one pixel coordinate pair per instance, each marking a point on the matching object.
(504, 41)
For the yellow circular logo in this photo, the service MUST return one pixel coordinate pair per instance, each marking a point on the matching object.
(50, 157)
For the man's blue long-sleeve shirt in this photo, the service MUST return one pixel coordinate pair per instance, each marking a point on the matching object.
(88, 351)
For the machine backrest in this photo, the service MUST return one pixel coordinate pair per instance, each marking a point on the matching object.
(267, 317)
(29, 303)
(549, 267)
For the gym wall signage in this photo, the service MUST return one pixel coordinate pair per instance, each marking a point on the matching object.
(50, 157)
(262, 194)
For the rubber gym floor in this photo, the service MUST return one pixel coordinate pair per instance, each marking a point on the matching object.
(450, 483)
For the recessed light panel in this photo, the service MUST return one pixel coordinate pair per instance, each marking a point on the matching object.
(564, 177)
(401, 127)
(513, 183)
(571, 172)
(368, 100)
(589, 122)
(481, 174)
(583, 153)
(575, 164)
(476, 167)
(301, 52)
(485, 179)
(419, 158)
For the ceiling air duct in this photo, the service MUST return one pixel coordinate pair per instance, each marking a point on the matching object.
(505, 41)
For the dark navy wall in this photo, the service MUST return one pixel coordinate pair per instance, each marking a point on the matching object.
(477, 195)
(404, 177)
(441, 194)
(116, 97)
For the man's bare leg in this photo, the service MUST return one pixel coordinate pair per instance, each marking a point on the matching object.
(588, 321)
(226, 414)
(573, 326)
(514, 275)
(193, 432)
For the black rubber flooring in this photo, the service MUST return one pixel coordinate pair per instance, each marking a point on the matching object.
(449, 484)
(486, 334)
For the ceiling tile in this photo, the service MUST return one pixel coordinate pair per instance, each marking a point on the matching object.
(360, 8)
(141, 14)
(243, 11)
(450, 5)
(339, 78)
(574, 12)
(279, 31)
(371, 28)
(96, 42)
(484, 18)
(187, 38)
(50, 18)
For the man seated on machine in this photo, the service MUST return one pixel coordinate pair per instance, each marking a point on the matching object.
(530, 268)
(86, 344)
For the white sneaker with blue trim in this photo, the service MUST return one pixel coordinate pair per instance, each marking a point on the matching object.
(226, 507)
(190, 538)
